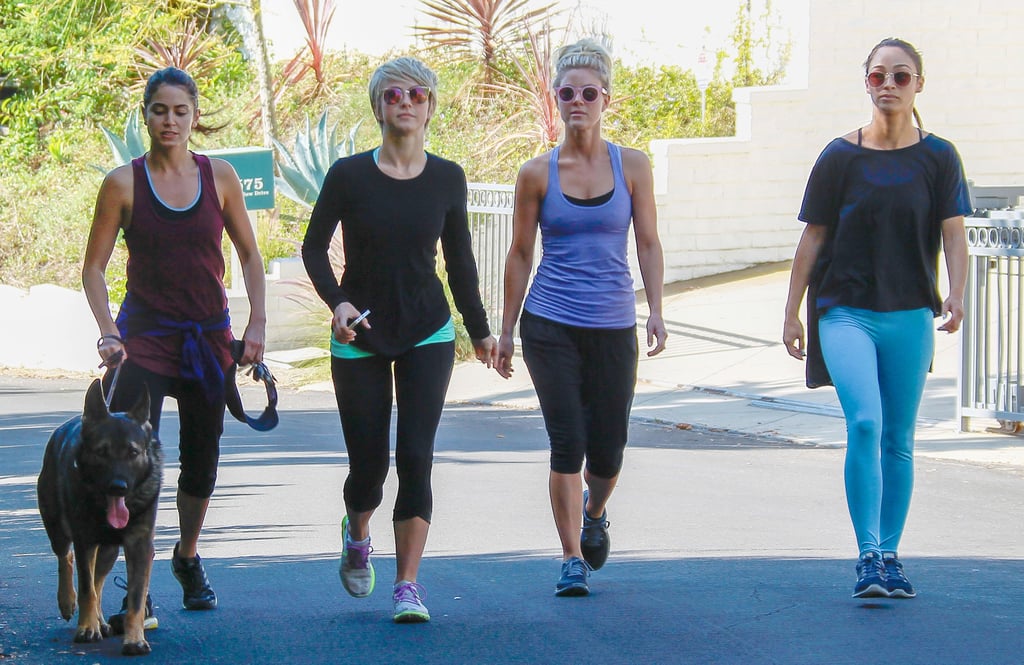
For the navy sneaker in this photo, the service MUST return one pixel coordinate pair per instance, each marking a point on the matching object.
(594, 540)
(573, 581)
(870, 577)
(197, 593)
(896, 583)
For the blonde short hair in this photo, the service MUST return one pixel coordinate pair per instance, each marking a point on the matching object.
(405, 68)
(587, 53)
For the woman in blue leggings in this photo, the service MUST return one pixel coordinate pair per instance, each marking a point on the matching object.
(880, 203)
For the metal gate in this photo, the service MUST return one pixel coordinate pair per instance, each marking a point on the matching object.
(992, 358)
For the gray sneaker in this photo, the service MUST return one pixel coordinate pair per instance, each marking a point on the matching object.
(356, 571)
(409, 606)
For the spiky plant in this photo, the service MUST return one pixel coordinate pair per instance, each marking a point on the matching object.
(188, 47)
(130, 145)
(532, 92)
(316, 16)
(304, 167)
(478, 30)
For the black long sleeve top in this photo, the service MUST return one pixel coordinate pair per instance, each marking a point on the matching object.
(390, 232)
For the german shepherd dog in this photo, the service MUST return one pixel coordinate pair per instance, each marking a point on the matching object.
(98, 490)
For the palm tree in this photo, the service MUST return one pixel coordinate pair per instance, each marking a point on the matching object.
(478, 30)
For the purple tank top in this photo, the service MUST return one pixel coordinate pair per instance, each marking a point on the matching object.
(176, 268)
(584, 278)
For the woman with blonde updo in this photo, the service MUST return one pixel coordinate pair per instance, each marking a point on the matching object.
(578, 325)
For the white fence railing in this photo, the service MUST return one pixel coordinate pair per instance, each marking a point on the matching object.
(490, 223)
(992, 360)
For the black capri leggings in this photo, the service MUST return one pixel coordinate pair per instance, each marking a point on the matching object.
(363, 387)
(200, 421)
(585, 379)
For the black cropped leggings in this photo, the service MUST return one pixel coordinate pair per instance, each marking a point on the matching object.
(585, 379)
(365, 389)
(200, 421)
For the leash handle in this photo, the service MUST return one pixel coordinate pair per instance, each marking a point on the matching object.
(115, 358)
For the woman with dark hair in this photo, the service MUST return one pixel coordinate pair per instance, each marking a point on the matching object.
(578, 325)
(879, 205)
(393, 335)
(173, 332)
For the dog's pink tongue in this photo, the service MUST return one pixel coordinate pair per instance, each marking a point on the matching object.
(117, 512)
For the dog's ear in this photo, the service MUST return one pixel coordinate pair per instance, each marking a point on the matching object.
(95, 407)
(140, 412)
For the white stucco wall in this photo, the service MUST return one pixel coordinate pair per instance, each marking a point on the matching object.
(728, 203)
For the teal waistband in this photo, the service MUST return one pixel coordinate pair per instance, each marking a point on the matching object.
(445, 333)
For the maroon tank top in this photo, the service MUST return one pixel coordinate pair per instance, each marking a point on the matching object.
(176, 268)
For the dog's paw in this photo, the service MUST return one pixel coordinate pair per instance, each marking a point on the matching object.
(89, 633)
(67, 605)
(135, 648)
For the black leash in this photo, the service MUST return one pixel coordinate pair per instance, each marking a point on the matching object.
(268, 419)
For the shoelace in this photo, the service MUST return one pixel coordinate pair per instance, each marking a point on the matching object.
(579, 567)
(409, 592)
(894, 569)
(358, 555)
(872, 565)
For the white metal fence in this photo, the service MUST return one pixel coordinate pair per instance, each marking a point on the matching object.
(992, 359)
(490, 223)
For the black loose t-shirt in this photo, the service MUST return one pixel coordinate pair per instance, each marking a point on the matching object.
(884, 211)
(390, 230)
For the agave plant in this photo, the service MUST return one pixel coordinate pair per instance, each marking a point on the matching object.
(129, 146)
(304, 168)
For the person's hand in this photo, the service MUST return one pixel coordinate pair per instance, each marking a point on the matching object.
(793, 338)
(254, 339)
(111, 350)
(656, 334)
(486, 350)
(344, 313)
(505, 350)
(954, 309)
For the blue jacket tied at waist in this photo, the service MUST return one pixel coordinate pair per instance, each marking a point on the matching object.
(198, 361)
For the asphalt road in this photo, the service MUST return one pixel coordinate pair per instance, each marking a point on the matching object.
(725, 549)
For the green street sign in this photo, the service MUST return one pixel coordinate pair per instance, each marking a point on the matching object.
(255, 168)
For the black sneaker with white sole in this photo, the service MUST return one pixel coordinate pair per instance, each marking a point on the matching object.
(116, 621)
(198, 595)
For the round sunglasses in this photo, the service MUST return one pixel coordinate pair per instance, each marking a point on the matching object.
(901, 79)
(589, 93)
(418, 94)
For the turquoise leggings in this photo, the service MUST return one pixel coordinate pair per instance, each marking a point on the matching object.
(878, 362)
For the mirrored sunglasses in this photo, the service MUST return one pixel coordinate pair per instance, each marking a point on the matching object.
(418, 94)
